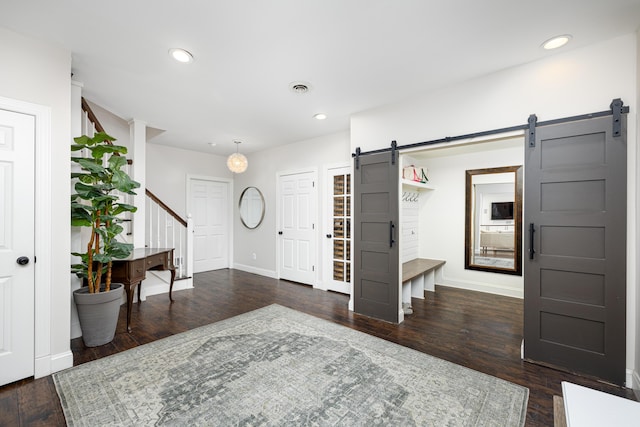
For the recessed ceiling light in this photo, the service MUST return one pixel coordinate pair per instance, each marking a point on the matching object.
(320, 116)
(181, 55)
(556, 42)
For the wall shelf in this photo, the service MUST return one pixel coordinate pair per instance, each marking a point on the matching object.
(418, 185)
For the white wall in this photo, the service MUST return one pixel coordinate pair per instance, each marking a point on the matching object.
(113, 125)
(442, 214)
(565, 84)
(311, 154)
(576, 82)
(167, 169)
(40, 73)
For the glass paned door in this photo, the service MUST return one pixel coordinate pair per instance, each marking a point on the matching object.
(339, 184)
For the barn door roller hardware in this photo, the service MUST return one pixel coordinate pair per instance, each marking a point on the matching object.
(533, 120)
(394, 151)
(616, 111)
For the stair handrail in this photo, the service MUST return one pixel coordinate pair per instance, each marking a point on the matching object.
(166, 208)
(91, 116)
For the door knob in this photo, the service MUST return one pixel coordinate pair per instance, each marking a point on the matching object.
(23, 260)
(279, 232)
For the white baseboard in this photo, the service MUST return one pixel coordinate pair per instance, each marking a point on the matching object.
(46, 365)
(633, 381)
(156, 286)
(320, 285)
(482, 287)
(255, 270)
(76, 331)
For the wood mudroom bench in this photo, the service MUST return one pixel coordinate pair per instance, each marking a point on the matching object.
(419, 275)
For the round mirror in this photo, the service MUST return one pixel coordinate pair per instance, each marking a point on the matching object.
(251, 207)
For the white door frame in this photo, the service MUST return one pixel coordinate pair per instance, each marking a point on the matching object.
(318, 249)
(228, 181)
(43, 363)
(327, 224)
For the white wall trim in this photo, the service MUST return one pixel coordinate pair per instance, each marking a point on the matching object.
(483, 287)
(227, 181)
(48, 364)
(77, 118)
(158, 282)
(327, 225)
(61, 361)
(280, 174)
(256, 270)
(43, 226)
(137, 151)
(632, 379)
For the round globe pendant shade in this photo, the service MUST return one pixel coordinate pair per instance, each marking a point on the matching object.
(237, 163)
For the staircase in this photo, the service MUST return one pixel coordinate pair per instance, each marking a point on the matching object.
(164, 228)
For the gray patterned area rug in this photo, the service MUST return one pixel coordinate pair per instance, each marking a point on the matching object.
(279, 367)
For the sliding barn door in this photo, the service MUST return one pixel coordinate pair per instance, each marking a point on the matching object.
(575, 248)
(376, 253)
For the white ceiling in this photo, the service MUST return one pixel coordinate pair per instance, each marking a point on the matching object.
(355, 54)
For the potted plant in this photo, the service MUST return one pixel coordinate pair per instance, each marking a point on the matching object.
(96, 204)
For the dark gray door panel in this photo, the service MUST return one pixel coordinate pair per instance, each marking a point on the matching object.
(376, 215)
(575, 283)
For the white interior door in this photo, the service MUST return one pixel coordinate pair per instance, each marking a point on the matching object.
(297, 232)
(17, 145)
(209, 207)
(337, 270)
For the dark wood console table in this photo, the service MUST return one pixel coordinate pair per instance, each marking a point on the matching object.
(131, 271)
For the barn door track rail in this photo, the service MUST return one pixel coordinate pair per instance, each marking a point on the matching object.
(616, 109)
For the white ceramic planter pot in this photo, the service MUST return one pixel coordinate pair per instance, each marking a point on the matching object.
(98, 314)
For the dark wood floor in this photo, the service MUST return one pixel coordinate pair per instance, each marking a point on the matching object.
(473, 329)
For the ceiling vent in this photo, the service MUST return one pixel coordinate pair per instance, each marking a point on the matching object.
(300, 87)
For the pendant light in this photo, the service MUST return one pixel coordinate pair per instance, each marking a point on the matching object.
(237, 163)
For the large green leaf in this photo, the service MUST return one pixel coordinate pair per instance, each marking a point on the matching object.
(123, 207)
(91, 165)
(122, 182)
(113, 230)
(89, 178)
(117, 162)
(121, 250)
(82, 255)
(81, 218)
(79, 174)
(99, 151)
(83, 141)
(96, 139)
(106, 197)
(103, 258)
(86, 191)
